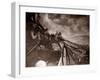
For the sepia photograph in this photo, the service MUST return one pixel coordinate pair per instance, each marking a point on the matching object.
(55, 39)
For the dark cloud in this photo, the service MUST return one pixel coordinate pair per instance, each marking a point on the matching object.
(73, 27)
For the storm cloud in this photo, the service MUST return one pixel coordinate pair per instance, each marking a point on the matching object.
(74, 28)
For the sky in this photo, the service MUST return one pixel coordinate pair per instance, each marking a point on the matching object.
(74, 28)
